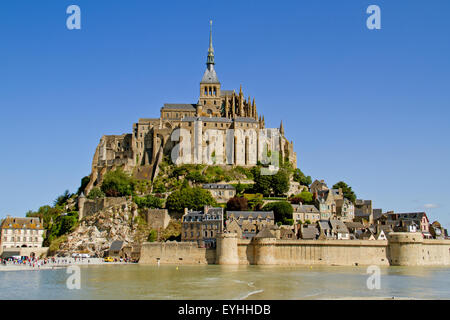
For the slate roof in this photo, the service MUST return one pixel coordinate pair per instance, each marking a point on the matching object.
(354, 225)
(21, 223)
(323, 224)
(210, 76)
(309, 232)
(218, 186)
(116, 245)
(254, 214)
(245, 119)
(265, 233)
(338, 226)
(224, 93)
(179, 106)
(306, 208)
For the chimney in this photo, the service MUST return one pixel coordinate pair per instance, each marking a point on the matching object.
(186, 211)
(205, 209)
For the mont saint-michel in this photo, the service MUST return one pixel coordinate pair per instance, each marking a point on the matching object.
(223, 127)
(207, 183)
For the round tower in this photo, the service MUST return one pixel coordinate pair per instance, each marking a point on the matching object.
(227, 248)
(405, 248)
(264, 250)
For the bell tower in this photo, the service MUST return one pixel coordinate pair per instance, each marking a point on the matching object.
(210, 86)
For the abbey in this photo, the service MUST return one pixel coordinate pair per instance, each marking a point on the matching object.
(223, 126)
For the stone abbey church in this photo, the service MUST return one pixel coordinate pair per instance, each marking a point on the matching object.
(222, 123)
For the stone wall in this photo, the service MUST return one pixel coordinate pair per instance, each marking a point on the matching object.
(89, 207)
(158, 218)
(401, 249)
(28, 252)
(176, 253)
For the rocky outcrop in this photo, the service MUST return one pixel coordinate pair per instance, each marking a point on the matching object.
(96, 232)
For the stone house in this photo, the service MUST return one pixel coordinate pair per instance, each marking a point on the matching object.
(420, 219)
(363, 210)
(317, 186)
(339, 230)
(304, 212)
(287, 234)
(345, 210)
(249, 222)
(326, 202)
(220, 192)
(324, 230)
(202, 226)
(21, 233)
(308, 232)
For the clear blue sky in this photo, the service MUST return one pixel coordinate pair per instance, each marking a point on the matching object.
(370, 107)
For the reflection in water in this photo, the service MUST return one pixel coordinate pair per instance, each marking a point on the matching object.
(227, 282)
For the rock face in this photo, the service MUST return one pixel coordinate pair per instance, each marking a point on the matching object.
(96, 232)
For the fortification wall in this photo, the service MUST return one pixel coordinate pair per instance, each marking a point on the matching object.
(176, 253)
(307, 252)
(89, 207)
(406, 249)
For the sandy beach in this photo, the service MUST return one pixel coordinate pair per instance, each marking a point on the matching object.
(58, 264)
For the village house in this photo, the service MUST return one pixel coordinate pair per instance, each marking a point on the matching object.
(21, 233)
(317, 186)
(345, 210)
(405, 220)
(339, 230)
(220, 192)
(308, 232)
(248, 223)
(326, 202)
(363, 211)
(202, 226)
(324, 230)
(305, 212)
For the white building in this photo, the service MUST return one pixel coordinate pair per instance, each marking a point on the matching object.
(21, 233)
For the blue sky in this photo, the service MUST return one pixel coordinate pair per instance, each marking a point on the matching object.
(370, 107)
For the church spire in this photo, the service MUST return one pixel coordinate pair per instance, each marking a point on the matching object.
(210, 59)
(281, 128)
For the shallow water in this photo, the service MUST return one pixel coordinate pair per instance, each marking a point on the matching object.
(227, 282)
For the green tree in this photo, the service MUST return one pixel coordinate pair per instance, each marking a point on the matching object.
(300, 177)
(282, 211)
(280, 182)
(117, 183)
(237, 204)
(83, 185)
(96, 193)
(191, 198)
(149, 201)
(346, 190)
(62, 199)
(263, 183)
(305, 197)
(153, 236)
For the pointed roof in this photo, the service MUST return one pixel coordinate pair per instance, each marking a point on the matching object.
(210, 75)
(265, 233)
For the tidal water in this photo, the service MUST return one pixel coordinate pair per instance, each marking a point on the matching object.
(227, 282)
